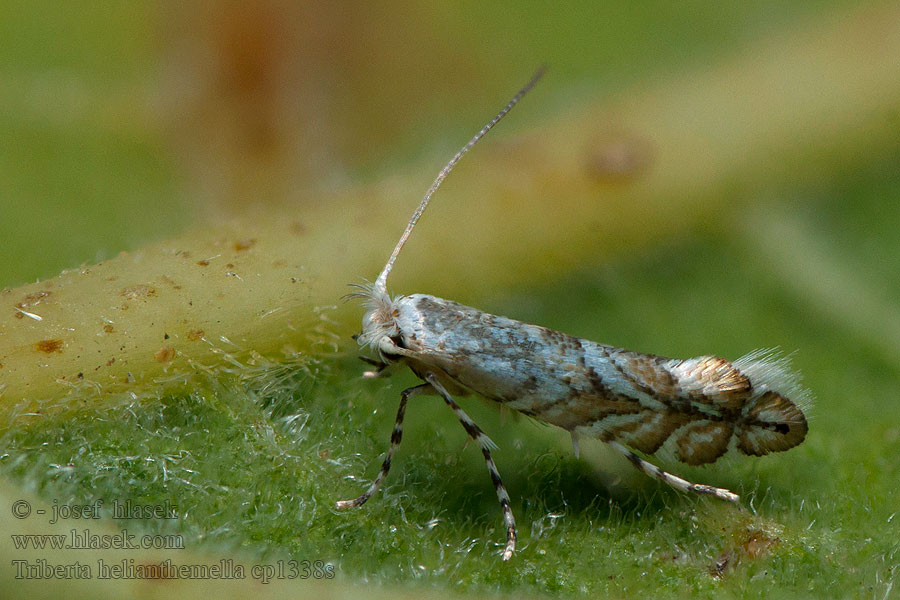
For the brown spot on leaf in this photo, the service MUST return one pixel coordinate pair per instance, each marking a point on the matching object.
(195, 335)
(33, 299)
(170, 282)
(203, 263)
(108, 328)
(49, 346)
(298, 228)
(751, 545)
(245, 244)
(722, 565)
(141, 290)
(164, 354)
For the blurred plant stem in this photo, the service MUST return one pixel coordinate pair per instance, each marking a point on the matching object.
(590, 179)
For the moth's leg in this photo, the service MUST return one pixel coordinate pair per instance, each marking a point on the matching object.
(396, 436)
(676, 482)
(486, 444)
(575, 447)
(381, 368)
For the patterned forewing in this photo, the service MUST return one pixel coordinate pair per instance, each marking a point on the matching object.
(695, 406)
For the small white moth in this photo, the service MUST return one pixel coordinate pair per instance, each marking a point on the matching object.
(697, 408)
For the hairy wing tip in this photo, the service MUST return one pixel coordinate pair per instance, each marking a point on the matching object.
(769, 370)
(774, 419)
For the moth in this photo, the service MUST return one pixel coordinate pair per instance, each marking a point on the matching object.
(696, 408)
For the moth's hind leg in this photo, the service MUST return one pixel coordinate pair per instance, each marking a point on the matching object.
(676, 482)
(486, 444)
(396, 437)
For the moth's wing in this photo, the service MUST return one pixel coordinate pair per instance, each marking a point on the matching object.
(772, 424)
(704, 405)
(773, 419)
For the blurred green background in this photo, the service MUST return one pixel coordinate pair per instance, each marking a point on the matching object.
(122, 124)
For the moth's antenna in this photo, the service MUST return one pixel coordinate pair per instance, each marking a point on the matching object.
(380, 283)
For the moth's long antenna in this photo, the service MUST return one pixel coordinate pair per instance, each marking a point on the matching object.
(380, 283)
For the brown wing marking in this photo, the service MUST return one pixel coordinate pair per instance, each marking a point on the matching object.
(702, 442)
(772, 424)
(647, 431)
(707, 380)
(583, 411)
(711, 380)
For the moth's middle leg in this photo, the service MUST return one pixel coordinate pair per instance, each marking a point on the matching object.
(486, 445)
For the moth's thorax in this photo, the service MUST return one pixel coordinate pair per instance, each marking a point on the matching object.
(438, 327)
(427, 323)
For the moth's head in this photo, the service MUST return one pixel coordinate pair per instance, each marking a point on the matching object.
(380, 318)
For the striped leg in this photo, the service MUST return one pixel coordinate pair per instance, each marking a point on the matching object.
(396, 436)
(486, 444)
(676, 482)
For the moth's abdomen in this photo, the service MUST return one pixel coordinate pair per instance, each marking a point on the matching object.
(696, 408)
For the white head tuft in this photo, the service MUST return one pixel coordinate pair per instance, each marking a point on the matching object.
(380, 317)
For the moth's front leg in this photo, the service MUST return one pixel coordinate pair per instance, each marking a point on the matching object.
(396, 437)
(486, 444)
(382, 369)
